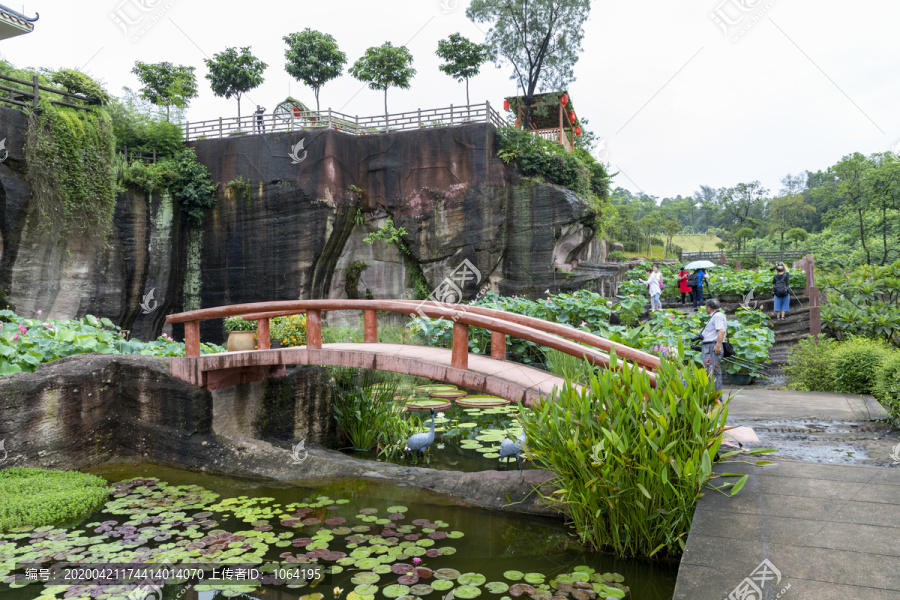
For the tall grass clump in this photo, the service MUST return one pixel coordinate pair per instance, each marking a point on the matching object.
(630, 460)
(363, 406)
(39, 497)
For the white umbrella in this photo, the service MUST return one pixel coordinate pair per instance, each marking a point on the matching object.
(700, 264)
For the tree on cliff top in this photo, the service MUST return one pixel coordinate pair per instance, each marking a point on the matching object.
(166, 84)
(314, 58)
(383, 67)
(541, 39)
(232, 74)
(462, 58)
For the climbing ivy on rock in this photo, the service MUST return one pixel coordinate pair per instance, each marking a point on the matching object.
(70, 155)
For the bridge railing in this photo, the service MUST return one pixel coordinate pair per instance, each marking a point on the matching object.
(568, 340)
(299, 120)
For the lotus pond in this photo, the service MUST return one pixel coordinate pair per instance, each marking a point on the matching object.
(375, 540)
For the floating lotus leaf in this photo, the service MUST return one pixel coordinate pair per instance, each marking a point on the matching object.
(395, 591)
(425, 543)
(428, 404)
(368, 511)
(421, 589)
(466, 592)
(448, 395)
(432, 553)
(382, 569)
(437, 535)
(583, 594)
(455, 534)
(401, 568)
(366, 563)
(447, 551)
(517, 589)
(468, 425)
(516, 575)
(355, 596)
(496, 587)
(584, 569)
(316, 596)
(534, 578)
(334, 521)
(396, 516)
(427, 389)
(409, 579)
(341, 530)
(442, 584)
(445, 574)
(472, 579)
(491, 455)
(361, 528)
(366, 589)
(397, 509)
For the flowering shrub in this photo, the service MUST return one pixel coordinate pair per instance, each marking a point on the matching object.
(26, 343)
(290, 330)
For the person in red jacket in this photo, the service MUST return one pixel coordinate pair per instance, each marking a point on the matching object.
(683, 287)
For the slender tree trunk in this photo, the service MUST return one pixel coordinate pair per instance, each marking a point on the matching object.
(467, 92)
(862, 236)
(884, 232)
(317, 100)
(782, 241)
(239, 110)
(167, 114)
(385, 110)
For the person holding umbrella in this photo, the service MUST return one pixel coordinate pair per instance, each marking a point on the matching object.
(695, 280)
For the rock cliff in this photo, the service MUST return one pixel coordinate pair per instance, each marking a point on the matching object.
(299, 230)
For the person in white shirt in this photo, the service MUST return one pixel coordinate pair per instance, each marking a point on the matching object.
(653, 281)
(713, 336)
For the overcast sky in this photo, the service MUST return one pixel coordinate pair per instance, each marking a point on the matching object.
(792, 85)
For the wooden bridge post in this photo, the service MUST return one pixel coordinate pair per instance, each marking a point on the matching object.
(263, 340)
(459, 356)
(370, 326)
(498, 345)
(192, 339)
(314, 329)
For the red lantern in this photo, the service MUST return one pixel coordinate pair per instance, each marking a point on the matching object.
(578, 131)
(506, 105)
(564, 99)
(296, 111)
(572, 117)
(517, 122)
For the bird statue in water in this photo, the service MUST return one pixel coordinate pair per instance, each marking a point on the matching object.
(510, 448)
(419, 442)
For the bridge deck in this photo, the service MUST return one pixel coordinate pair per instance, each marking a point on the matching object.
(513, 381)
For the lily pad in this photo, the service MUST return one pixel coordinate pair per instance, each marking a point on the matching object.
(534, 578)
(428, 404)
(365, 577)
(442, 584)
(517, 589)
(395, 591)
(481, 401)
(421, 589)
(497, 587)
(366, 589)
(445, 574)
(397, 509)
(466, 592)
(472, 579)
(515, 575)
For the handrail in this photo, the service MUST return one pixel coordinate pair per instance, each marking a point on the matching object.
(498, 322)
(353, 124)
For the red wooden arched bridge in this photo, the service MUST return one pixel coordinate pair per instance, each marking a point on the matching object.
(490, 375)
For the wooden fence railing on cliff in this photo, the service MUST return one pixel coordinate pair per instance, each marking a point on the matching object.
(27, 94)
(299, 120)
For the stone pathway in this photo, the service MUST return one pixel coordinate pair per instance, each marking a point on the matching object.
(799, 529)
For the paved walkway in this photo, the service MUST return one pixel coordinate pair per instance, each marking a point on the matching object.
(828, 531)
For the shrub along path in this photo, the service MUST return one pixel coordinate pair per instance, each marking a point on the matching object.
(827, 530)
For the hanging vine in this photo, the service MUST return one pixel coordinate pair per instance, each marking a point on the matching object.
(70, 157)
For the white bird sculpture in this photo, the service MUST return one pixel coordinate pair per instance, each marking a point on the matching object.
(419, 442)
(510, 448)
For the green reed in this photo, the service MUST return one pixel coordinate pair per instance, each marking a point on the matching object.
(630, 460)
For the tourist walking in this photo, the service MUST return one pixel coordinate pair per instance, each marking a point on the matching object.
(781, 287)
(683, 286)
(713, 336)
(654, 282)
(695, 282)
(260, 124)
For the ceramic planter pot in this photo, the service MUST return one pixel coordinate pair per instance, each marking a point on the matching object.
(740, 378)
(240, 340)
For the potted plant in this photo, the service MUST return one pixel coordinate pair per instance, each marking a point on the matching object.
(241, 334)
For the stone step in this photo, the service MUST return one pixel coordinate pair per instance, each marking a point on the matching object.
(785, 327)
(790, 339)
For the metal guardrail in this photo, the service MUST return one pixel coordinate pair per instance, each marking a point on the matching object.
(299, 120)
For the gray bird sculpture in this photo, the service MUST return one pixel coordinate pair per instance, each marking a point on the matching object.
(419, 442)
(510, 448)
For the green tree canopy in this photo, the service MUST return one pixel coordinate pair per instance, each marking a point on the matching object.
(797, 235)
(787, 212)
(314, 58)
(77, 82)
(462, 58)
(232, 74)
(166, 84)
(541, 39)
(384, 67)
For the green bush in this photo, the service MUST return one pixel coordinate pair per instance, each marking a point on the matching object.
(810, 365)
(35, 497)
(192, 187)
(630, 460)
(289, 330)
(77, 82)
(855, 364)
(887, 386)
(864, 302)
(27, 343)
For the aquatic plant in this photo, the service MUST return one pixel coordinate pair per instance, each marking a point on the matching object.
(362, 408)
(37, 497)
(630, 460)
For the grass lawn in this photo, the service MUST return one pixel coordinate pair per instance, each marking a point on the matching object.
(696, 243)
(657, 253)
